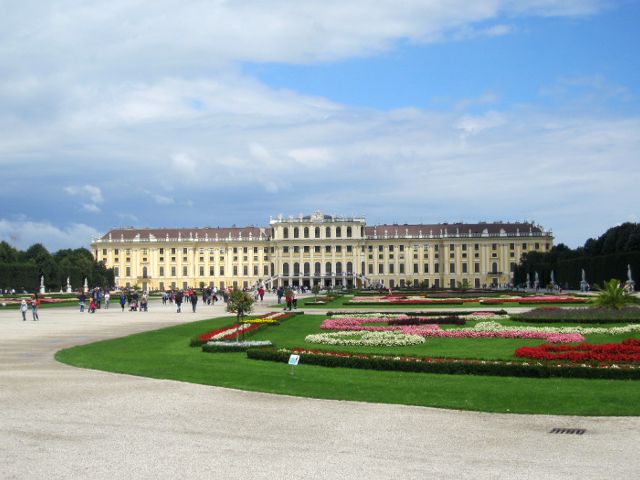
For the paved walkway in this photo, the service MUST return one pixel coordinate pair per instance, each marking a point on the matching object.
(58, 421)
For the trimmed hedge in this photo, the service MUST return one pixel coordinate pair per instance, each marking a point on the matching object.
(579, 315)
(448, 366)
(228, 347)
(429, 313)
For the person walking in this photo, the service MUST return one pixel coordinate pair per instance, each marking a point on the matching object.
(294, 298)
(194, 302)
(261, 294)
(107, 297)
(279, 293)
(82, 299)
(288, 297)
(123, 301)
(35, 303)
(23, 309)
(178, 300)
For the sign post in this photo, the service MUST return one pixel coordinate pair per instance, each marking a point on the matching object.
(293, 363)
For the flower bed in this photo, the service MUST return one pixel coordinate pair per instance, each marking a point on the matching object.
(448, 365)
(353, 323)
(419, 299)
(369, 339)
(494, 326)
(224, 347)
(579, 315)
(248, 326)
(626, 351)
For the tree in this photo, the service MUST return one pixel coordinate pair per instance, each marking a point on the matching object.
(613, 295)
(464, 285)
(315, 290)
(240, 303)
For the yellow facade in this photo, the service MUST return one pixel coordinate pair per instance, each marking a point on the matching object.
(323, 249)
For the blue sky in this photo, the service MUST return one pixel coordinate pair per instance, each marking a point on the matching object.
(214, 113)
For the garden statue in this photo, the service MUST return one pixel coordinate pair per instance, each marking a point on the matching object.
(630, 285)
(553, 279)
(536, 281)
(86, 285)
(528, 281)
(41, 283)
(68, 286)
(584, 285)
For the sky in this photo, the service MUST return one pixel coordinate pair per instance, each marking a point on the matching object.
(199, 113)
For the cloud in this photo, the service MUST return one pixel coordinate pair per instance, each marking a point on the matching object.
(22, 233)
(163, 200)
(94, 193)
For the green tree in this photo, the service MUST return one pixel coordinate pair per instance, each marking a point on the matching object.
(240, 303)
(464, 285)
(315, 290)
(613, 295)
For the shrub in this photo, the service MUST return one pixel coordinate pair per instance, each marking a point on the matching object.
(579, 315)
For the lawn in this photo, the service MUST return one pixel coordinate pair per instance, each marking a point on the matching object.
(166, 354)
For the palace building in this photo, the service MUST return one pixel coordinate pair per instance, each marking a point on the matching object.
(320, 249)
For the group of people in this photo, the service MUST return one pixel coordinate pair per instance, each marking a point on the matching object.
(96, 297)
(290, 297)
(35, 305)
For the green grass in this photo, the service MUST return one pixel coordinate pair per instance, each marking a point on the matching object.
(165, 354)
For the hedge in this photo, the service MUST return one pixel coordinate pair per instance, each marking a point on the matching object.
(583, 315)
(448, 366)
(429, 313)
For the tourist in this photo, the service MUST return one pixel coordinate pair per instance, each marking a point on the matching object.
(107, 297)
(294, 299)
(178, 300)
(261, 294)
(35, 303)
(165, 297)
(194, 302)
(123, 300)
(144, 303)
(288, 297)
(92, 306)
(23, 309)
(82, 299)
(279, 293)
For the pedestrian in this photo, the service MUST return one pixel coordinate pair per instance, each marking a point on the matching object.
(178, 300)
(82, 299)
(23, 309)
(194, 301)
(261, 294)
(35, 303)
(279, 293)
(288, 297)
(144, 303)
(107, 297)
(123, 300)
(92, 306)
(164, 298)
(294, 299)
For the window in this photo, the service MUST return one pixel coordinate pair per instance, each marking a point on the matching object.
(391, 248)
(185, 271)
(338, 248)
(349, 232)
(476, 246)
(211, 271)
(327, 268)
(350, 268)
(285, 269)
(306, 249)
(512, 267)
(338, 268)
(316, 232)
(512, 246)
(349, 249)
(116, 271)
(316, 249)
(426, 268)
(476, 267)
(338, 232)
(452, 268)
(436, 268)
(285, 232)
(327, 232)
(380, 269)
(266, 270)
(244, 250)
(255, 249)
(464, 268)
(245, 270)
(402, 268)
(536, 246)
(391, 268)
(173, 271)
(221, 273)
(285, 249)
(306, 232)
(201, 271)
(380, 248)
(316, 268)
(162, 271)
(307, 269)
(402, 248)
(104, 251)
(235, 270)
(173, 251)
(327, 249)
(524, 246)
(416, 268)
(451, 246)
(370, 268)
(184, 251)
(296, 269)
(494, 246)
(116, 251)
(464, 247)
(296, 232)
(494, 267)
(296, 249)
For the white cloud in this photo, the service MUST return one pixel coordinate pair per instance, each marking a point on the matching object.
(91, 207)
(163, 200)
(92, 192)
(23, 233)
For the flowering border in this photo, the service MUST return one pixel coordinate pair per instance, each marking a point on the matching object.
(453, 366)
(249, 326)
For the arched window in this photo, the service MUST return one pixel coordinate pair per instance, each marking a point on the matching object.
(349, 268)
(317, 232)
(285, 269)
(338, 268)
(296, 232)
(349, 232)
(285, 232)
(316, 269)
(327, 232)
(306, 232)
(273, 269)
(327, 268)
(338, 232)
(307, 268)
(296, 269)
(144, 272)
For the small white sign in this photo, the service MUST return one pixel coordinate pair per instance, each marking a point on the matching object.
(294, 359)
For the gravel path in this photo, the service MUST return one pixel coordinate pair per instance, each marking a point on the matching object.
(58, 421)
